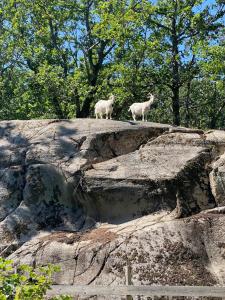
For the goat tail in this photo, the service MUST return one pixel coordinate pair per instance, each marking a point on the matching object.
(129, 109)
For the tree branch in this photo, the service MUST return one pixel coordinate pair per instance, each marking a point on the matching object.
(160, 25)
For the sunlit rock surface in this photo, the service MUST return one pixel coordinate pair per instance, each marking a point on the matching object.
(94, 195)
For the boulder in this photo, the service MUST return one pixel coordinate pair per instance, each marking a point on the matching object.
(187, 251)
(41, 163)
(94, 195)
(154, 178)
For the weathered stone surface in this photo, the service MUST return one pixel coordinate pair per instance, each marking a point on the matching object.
(147, 181)
(189, 251)
(75, 144)
(41, 163)
(217, 137)
(11, 187)
(217, 180)
(92, 195)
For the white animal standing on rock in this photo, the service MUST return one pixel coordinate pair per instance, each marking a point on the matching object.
(142, 108)
(104, 107)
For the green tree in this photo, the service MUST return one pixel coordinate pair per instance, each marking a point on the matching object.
(178, 26)
(59, 57)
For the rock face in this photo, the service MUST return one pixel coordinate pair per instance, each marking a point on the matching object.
(149, 180)
(92, 195)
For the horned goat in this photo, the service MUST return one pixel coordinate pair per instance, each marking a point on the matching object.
(138, 109)
(104, 107)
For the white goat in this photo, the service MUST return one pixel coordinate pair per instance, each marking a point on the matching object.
(104, 107)
(138, 109)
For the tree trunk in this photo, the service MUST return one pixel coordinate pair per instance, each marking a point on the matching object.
(187, 105)
(85, 111)
(58, 111)
(76, 100)
(175, 73)
(214, 119)
(176, 105)
(215, 115)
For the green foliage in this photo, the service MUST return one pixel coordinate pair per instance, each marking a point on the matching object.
(26, 283)
(59, 57)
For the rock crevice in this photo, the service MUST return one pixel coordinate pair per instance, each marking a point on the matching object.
(91, 195)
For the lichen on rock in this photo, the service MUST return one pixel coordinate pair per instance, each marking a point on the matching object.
(93, 195)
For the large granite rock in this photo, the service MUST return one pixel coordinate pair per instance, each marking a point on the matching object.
(217, 175)
(93, 195)
(148, 180)
(42, 163)
(160, 250)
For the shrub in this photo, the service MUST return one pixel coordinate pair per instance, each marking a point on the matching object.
(25, 282)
